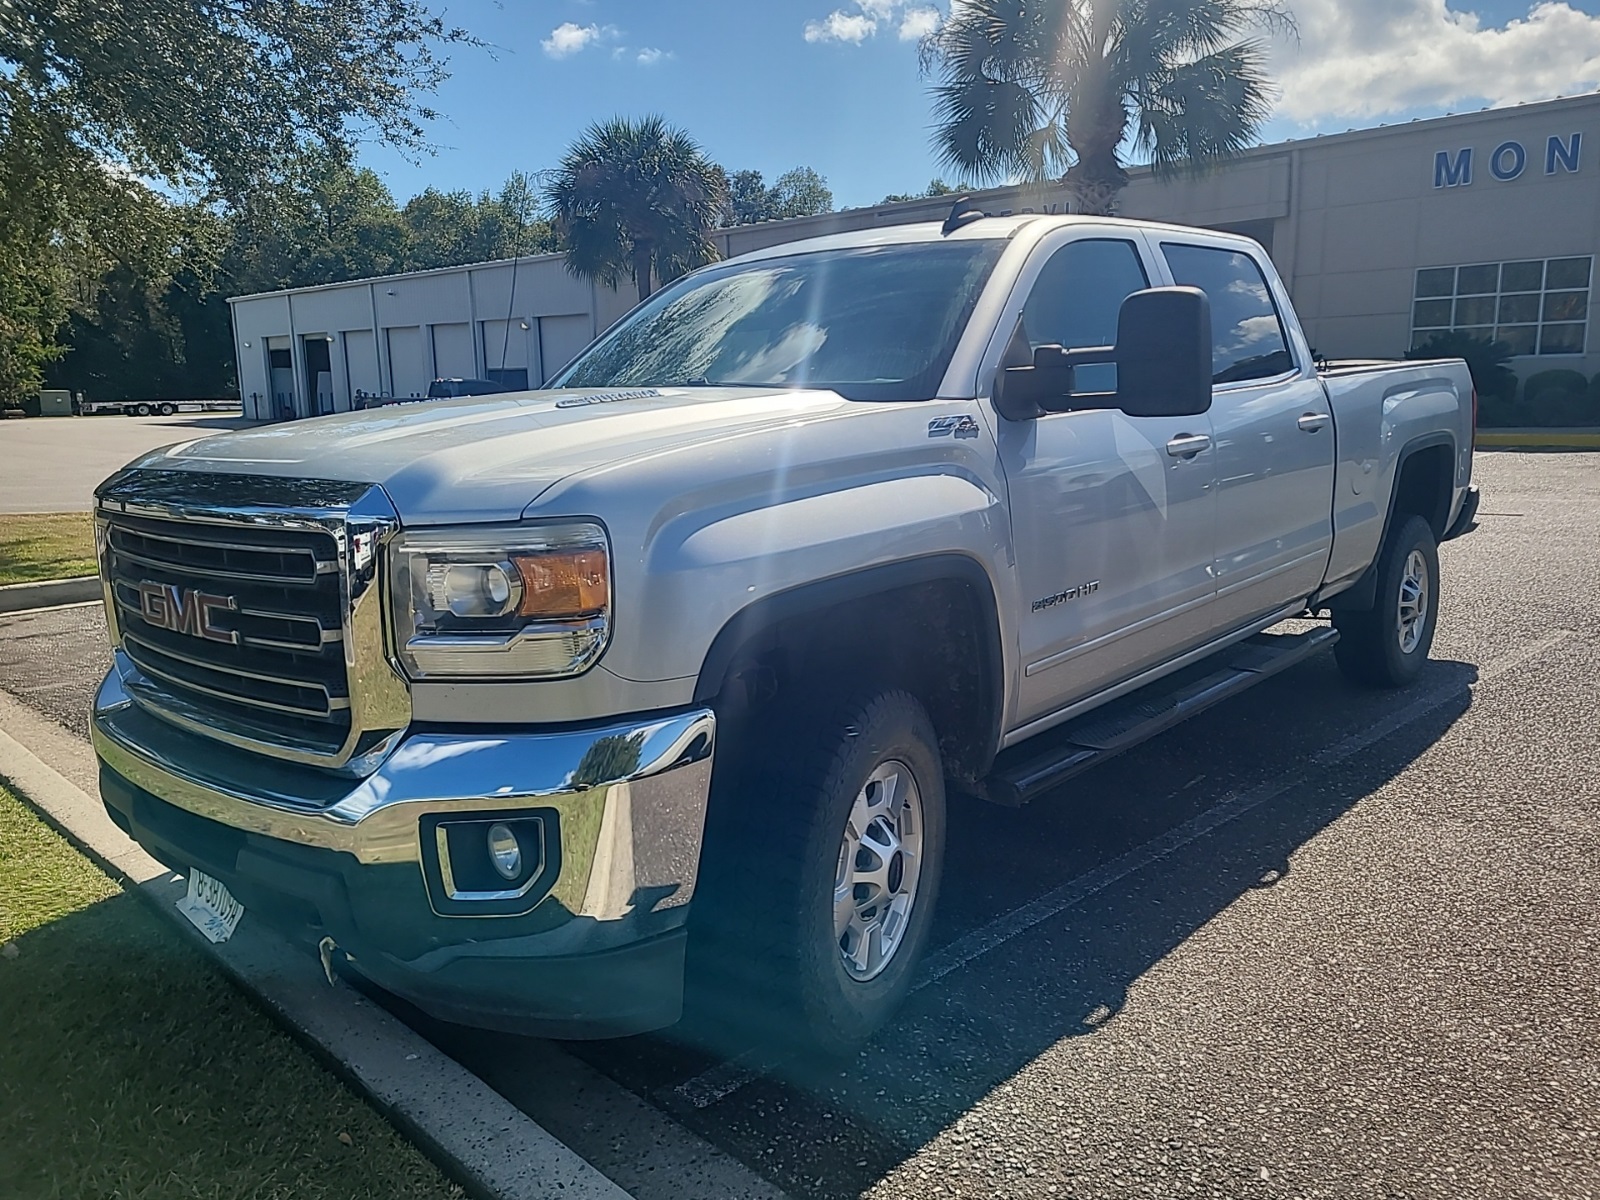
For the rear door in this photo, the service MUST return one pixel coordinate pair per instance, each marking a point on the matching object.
(1112, 516)
(1274, 437)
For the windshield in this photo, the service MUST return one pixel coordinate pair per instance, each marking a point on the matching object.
(871, 323)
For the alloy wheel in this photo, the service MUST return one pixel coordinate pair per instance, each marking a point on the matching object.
(1413, 610)
(880, 867)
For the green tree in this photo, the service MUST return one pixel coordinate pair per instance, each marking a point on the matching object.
(747, 198)
(635, 198)
(935, 189)
(1027, 90)
(800, 192)
(205, 93)
(451, 228)
(157, 326)
(320, 219)
(104, 106)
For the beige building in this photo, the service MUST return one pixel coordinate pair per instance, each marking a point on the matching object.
(1486, 222)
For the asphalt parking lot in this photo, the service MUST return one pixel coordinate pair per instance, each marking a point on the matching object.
(1318, 942)
(52, 464)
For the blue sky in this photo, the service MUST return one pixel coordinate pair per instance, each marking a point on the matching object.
(833, 84)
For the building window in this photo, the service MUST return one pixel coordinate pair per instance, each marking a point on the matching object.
(1534, 307)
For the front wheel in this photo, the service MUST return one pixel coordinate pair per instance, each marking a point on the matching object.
(826, 863)
(1387, 646)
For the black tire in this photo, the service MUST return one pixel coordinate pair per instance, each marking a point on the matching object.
(141, 410)
(764, 961)
(1371, 650)
(166, 410)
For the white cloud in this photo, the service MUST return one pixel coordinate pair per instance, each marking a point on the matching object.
(650, 56)
(840, 26)
(864, 18)
(569, 37)
(918, 23)
(1371, 58)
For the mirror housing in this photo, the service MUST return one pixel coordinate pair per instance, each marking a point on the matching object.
(1162, 355)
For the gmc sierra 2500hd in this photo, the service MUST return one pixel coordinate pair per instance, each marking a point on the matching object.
(535, 706)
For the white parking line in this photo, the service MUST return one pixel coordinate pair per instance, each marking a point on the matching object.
(713, 1084)
(722, 1080)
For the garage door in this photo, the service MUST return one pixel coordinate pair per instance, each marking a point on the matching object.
(560, 339)
(408, 365)
(507, 350)
(452, 352)
(361, 363)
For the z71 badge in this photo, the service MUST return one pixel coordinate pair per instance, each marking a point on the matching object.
(960, 427)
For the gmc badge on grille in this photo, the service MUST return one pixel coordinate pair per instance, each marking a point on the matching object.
(185, 610)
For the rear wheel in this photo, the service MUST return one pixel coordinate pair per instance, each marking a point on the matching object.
(166, 410)
(822, 870)
(1387, 646)
(141, 410)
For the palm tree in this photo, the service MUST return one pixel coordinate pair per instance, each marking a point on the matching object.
(636, 197)
(1033, 89)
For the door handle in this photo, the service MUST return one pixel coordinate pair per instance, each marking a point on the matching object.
(1313, 422)
(1187, 445)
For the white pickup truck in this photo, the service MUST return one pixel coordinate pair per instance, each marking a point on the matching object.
(532, 707)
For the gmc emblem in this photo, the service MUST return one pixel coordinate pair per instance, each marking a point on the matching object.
(185, 610)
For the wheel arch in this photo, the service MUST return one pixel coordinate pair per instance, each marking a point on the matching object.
(1424, 485)
(929, 624)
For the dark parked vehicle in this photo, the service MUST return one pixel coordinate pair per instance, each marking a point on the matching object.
(444, 389)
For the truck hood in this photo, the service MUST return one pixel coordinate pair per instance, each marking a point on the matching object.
(487, 458)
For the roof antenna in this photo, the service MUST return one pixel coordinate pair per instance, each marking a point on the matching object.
(963, 212)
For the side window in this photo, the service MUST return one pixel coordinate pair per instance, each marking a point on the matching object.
(1076, 299)
(1247, 338)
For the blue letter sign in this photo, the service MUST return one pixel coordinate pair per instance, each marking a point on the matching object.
(1456, 174)
(1566, 154)
(1508, 161)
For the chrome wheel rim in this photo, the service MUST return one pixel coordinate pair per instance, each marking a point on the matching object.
(1413, 610)
(880, 868)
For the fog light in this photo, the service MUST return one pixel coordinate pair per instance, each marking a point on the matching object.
(504, 851)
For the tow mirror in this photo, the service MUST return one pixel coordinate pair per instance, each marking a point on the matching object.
(1164, 353)
(1162, 356)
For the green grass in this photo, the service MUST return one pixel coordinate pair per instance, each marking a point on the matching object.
(45, 546)
(130, 1068)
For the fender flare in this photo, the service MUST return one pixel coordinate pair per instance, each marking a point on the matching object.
(748, 623)
(1363, 593)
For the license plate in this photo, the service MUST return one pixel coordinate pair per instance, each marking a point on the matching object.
(210, 907)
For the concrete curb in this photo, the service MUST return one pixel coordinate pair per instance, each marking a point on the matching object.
(473, 1133)
(1539, 439)
(16, 597)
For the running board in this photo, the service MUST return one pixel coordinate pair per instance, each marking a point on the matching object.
(1032, 768)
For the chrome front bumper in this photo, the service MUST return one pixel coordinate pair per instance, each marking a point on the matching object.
(629, 801)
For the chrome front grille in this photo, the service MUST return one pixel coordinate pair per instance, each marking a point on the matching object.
(258, 623)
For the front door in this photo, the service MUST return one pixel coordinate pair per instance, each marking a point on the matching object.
(1274, 440)
(1112, 516)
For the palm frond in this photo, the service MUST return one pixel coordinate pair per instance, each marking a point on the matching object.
(1197, 113)
(1022, 88)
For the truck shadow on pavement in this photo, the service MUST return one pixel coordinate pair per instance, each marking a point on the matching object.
(830, 1129)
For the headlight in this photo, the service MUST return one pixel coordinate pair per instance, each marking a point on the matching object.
(503, 602)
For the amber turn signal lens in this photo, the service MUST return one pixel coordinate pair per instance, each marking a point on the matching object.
(563, 583)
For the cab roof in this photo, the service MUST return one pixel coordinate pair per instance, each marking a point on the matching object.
(981, 229)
